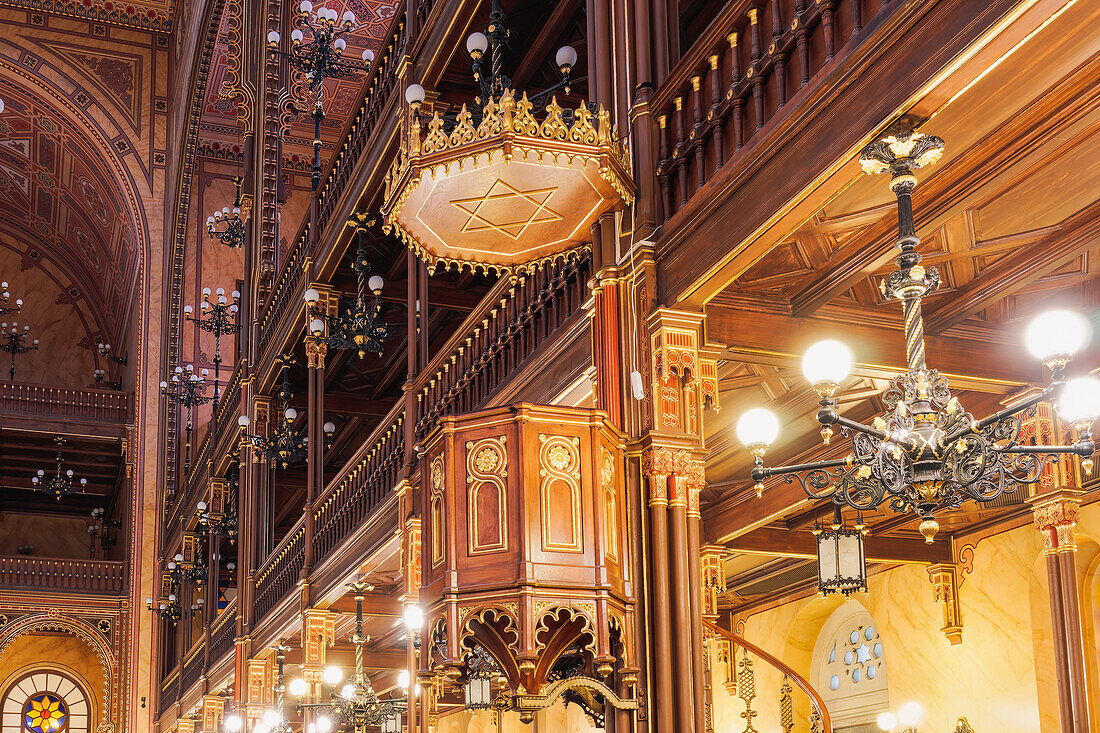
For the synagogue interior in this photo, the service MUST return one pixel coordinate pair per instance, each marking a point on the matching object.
(497, 366)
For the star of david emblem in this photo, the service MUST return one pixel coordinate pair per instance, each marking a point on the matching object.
(507, 210)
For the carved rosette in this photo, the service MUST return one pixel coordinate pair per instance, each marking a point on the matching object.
(539, 500)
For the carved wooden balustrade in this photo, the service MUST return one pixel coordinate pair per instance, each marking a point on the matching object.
(71, 576)
(517, 317)
(279, 575)
(61, 402)
(193, 667)
(746, 70)
(750, 672)
(170, 690)
(223, 632)
(361, 486)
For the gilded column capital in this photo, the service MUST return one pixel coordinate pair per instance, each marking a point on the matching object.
(316, 350)
(945, 589)
(1055, 515)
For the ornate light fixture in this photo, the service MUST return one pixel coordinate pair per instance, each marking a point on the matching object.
(5, 298)
(219, 318)
(180, 570)
(320, 58)
(61, 483)
(99, 381)
(233, 234)
(495, 187)
(928, 453)
(103, 528)
(481, 668)
(14, 342)
(358, 323)
(188, 390)
(841, 563)
(285, 445)
(168, 610)
(105, 351)
(355, 705)
(223, 523)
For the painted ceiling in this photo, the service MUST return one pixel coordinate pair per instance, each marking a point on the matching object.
(58, 201)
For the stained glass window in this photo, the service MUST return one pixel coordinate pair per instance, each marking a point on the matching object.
(45, 713)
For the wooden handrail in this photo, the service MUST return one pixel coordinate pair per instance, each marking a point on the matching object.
(799, 680)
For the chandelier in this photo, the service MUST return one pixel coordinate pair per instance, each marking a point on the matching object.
(5, 298)
(103, 528)
(169, 609)
(494, 186)
(181, 571)
(358, 323)
(105, 351)
(14, 342)
(927, 453)
(355, 705)
(61, 482)
(218, 319)
(188, 390)
(320, 58)
(232, 235)
(286, 445)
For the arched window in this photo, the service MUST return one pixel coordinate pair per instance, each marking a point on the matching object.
(849, 668)
(44, 702)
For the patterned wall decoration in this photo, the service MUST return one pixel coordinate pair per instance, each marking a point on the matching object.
(59, 198)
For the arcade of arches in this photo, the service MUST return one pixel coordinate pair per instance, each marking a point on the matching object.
(437, 365)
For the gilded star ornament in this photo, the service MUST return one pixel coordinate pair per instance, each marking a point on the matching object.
(507, 210)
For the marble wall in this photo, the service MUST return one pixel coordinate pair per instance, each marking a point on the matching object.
(64, 537)
(1001, 677)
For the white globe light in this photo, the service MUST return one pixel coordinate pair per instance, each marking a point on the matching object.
(329, 428)
(375, 283)
(273, 38)
(333, 675)
(1080, 400)
(910, 714)
(233, 723)
(348, 17)
(477, 43)
(414, 94)
(270, 718)
(887, 721)
(414, 618)
(347, 691)
(296, 35)
(566, 56)
(305, 6)
(1056, 333)
(1, 105)
(340, 44)
(368, 55)
(324, 724)
(317, 326)
(243, 421)
(312, 296)
(290, 413)
(201, 506)
(298, 687)
(403, 679)
(827, 362)
(757, 427)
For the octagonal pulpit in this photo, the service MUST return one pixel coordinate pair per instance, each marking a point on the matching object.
(525, 552)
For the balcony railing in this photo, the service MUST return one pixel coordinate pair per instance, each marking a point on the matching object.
(193, 667)
(72, 576)
(170, 690)
(363, 484)
(279, 575)
(751, 61)
(223, 632)
(511, 323)
(62, 402)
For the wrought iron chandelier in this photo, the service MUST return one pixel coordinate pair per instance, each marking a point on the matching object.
(180, 571)
(286, 445)
(105, 351)
(320, 58)
(168, 609)
(487, 63)
(358, 323)
(927, 453)
(14, 342)
(219, 318)
(223, 524)
(5, 298)
(188, 390)
(61, 483)
(233, 233)
(103, 528)
(355, 705)
(100, 381)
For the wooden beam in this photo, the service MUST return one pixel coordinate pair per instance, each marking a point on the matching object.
(785, 543)
(348, 404)
(1074, 236)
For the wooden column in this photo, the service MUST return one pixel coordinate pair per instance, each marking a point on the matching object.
(1055, 514)
(681, 590)
(412, 269)
(695, 585)
(316, 351)
(662, 703)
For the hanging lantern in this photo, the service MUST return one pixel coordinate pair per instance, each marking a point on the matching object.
(392, 724)
(841, 563)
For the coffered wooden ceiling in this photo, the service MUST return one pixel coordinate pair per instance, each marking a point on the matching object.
(1010, 216)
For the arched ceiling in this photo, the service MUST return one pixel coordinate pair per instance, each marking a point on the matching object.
(59, 201)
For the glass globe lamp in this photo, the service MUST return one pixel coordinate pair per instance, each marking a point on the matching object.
(333, 675)
(298, 687)
(1055, 336)
(827, 364)
(887, 721)
(910, 714)
(1079, 404)
(757, 428)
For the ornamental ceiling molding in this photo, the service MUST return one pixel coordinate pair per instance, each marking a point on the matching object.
(151, 18)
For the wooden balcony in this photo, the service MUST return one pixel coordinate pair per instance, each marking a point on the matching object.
(98, 577)
(63, 409)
